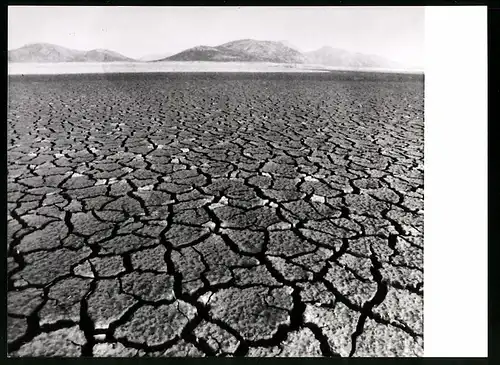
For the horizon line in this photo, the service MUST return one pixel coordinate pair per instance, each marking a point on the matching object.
(198, 45)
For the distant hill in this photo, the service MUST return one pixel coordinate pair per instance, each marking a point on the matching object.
(266, 51)
(207, 53)
(45, 52)
(248, 50)
(245, 50)
(329, 56)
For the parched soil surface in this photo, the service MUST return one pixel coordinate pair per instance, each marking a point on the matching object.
(215, 214)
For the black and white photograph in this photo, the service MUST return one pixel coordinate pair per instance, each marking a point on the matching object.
(215, 181)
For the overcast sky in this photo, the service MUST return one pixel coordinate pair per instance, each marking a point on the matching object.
(393, 32)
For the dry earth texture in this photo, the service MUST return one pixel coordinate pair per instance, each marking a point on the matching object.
(215, 214)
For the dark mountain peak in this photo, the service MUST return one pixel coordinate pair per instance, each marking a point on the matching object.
(204, 48)
(248, 50)
(253, 43)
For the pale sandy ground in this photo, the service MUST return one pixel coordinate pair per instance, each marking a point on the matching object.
(195, 66)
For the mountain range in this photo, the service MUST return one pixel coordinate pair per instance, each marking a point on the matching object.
(244, 50)
(46, 52)
(339, 57)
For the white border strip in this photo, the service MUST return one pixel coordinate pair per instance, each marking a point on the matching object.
(455, 253)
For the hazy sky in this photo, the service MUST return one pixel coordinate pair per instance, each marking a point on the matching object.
(393, 32)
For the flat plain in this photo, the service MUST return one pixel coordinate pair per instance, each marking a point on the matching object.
(182, 214)
(170, 66)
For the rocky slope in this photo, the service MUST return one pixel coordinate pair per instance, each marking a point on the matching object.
(341, 58)
(245, 50)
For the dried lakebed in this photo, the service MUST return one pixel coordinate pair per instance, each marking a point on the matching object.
(215, 214)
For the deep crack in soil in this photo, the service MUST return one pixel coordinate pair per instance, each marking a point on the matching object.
(215, 215)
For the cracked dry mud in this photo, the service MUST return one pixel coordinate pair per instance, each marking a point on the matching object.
(228, 215)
